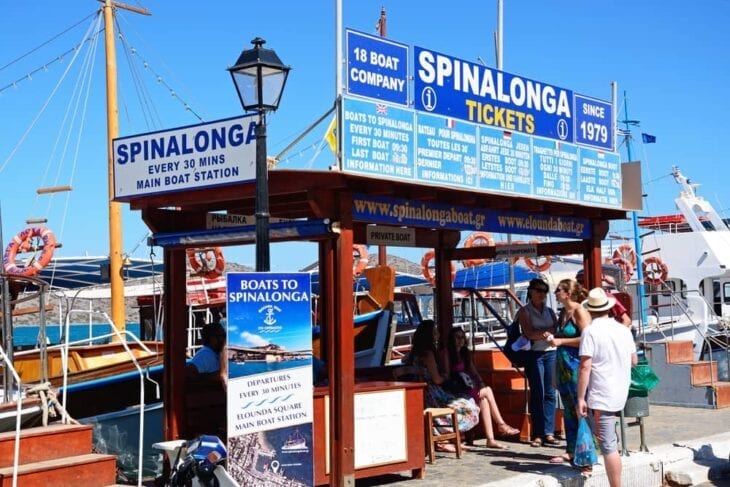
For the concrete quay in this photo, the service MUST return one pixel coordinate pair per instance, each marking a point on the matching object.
(687, 446)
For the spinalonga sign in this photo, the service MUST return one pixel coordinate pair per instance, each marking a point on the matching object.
(474, 127)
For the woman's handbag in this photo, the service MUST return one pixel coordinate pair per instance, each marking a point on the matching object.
(585, 447)
(516, 354)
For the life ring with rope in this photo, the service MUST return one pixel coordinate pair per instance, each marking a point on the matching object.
(655, 270)
(24, 242)
(626, 251)
(360, 259)
(626, 268)
(477, 239)
(426, 268)
(536, 264)
(207, 262)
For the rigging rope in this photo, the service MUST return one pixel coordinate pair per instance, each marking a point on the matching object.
(45, 105)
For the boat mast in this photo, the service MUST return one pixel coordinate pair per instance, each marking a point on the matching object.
(635, 220)
(112, 124)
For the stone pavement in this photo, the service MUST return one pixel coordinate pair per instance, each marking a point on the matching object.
(683, 443)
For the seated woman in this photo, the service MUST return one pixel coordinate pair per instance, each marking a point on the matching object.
(458, 363)
(424, 355)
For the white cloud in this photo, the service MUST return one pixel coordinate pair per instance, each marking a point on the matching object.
(252, 340)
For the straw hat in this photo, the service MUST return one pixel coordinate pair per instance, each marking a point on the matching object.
(598, 300)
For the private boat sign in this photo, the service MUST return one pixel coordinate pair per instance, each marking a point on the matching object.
(197, 156)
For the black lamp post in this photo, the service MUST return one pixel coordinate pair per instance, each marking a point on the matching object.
(260, 76)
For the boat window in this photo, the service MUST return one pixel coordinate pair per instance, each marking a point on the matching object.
(726, 292)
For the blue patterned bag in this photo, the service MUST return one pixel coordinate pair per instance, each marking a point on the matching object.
(585, 448)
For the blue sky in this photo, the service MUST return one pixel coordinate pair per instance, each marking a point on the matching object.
(669, 56)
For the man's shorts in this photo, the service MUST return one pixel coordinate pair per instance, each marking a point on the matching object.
(604, 426)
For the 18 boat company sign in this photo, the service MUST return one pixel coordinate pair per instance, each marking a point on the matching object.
(196, 156)
(476, 128)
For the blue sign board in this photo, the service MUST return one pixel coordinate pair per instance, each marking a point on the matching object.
(270, 401)
(396, 211)
(378, 139)
(387, 141)
(555, 167)
(505, 161)
(468, 91)
(446, 151)
(600, 177)
(377, 68)
(593, 122)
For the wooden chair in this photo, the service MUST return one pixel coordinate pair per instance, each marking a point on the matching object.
(413, 373)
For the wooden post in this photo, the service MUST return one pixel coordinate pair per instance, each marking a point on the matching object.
(175, 343)
(342, 378)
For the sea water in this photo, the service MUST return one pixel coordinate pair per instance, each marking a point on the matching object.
(27, 335)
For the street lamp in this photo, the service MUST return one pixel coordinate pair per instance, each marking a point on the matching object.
(259, 77)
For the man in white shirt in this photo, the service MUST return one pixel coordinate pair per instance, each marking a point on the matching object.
(607, 352)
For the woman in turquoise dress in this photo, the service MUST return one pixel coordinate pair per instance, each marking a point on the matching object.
(572, 321)
(424, 355)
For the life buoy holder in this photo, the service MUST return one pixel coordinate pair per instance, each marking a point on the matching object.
(655, 270)
(426, 267)
(626, 268)
(23, 242)
(207, 262)
(538, 264)
(477, 239)
(626, 251)
(360, 259)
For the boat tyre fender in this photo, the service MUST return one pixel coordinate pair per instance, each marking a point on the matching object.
(626, 268)
(626, 251)
(207, 262)
(360, 259)
(22, 242)
(477, 239)
(538, 264)
(426, 267)
(655, 271)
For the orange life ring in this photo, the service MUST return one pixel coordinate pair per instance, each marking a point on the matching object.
(207, 262)
(655, 271)
(626, 268)
(426, 260)
(360, 259)
(23, 242)
(534, 264)
(477, 239)
(626, 251)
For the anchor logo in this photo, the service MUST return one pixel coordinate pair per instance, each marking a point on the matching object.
(269, 312)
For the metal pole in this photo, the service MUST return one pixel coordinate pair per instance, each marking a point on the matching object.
(637, 236)
(262, 198)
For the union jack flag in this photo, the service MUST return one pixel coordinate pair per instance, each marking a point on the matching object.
(381, 109)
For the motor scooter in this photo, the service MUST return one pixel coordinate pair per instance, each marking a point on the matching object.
(196, 463)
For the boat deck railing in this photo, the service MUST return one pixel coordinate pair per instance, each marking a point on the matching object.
(713, 329)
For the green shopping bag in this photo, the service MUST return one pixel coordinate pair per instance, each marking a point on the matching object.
(643, 379)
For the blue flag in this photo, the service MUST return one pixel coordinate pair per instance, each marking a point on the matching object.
(648, 139)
